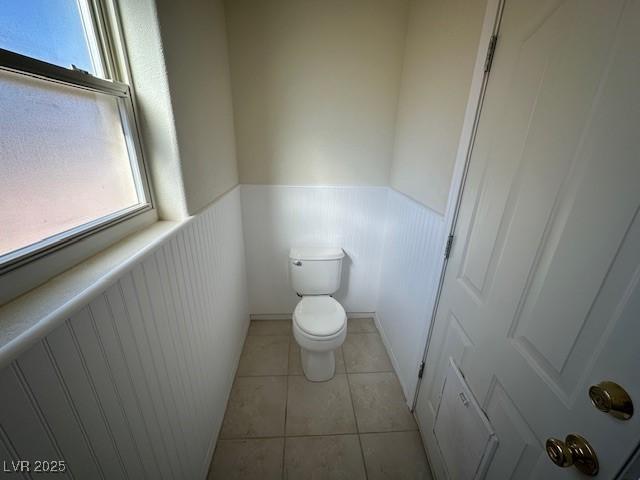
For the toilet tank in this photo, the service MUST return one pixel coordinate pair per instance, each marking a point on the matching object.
(315, 270)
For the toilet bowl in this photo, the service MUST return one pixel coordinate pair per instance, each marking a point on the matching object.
(319, 327)
(319, 321)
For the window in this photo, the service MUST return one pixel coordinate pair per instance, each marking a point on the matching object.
(70, 159)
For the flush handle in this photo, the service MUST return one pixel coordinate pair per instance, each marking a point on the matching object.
(297, 263)
(574, 451)
(611, 398)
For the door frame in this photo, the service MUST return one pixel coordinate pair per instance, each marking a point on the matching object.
(475, 99)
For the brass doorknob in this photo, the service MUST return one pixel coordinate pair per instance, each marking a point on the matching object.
(611, 398)
(575, 451)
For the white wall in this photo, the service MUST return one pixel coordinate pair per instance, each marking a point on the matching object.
(276, 218)
(394, 247)
(349, 93)
(411, 263)
(315, 87)
(134, 385)
(442, 42)
(141, 33)
(194, 39)
(180, 70)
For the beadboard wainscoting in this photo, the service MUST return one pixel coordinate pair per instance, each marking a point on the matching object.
(411, 264)
(135, 384)
(278, 217)
(394, 248)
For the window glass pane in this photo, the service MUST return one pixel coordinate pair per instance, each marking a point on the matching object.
(63, 159)
(49, 30)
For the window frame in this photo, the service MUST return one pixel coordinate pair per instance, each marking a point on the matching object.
(102, 28)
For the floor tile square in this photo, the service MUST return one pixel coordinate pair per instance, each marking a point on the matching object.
(264, 355)
(319, 458)
(259, 459)
(365, 352)
(256, 408)
(295, 364)
(379, 403)
(361, 325)
(340, 361)
(270, 327)
(319, 408)
(395, 456)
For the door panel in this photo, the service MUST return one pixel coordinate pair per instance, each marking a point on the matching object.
(456, 344)
(542, 282)
(516, 458)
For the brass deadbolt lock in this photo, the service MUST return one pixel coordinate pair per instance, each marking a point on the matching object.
(574, 451)
(611, 398)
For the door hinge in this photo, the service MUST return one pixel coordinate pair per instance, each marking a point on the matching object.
(447, 249)
(490, 53)
(421, 371)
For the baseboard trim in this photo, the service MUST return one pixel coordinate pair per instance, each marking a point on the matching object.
(392, 357)
(287, 316)
(361, 314)
(216, 434)
(270, 316)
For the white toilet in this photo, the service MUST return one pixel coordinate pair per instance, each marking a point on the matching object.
(319, 321)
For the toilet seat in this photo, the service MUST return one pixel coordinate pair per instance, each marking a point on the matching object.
(320, 316)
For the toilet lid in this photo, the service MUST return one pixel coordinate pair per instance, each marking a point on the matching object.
(319, 315)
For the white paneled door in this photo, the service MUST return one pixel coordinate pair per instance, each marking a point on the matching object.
(541, 297)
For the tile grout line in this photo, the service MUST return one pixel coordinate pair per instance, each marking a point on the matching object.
(287, 334)
(302, 374)
(285, 436)
(355, 418)
(286, 405)
(267, 437)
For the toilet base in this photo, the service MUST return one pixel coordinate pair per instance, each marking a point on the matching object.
(317, 354)
(318, 366)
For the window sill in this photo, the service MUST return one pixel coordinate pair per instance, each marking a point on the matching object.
(30, 317)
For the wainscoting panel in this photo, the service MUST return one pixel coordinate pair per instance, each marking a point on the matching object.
(135, 384)
(411, 265)
(279, 217)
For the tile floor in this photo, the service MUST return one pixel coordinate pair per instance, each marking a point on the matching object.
(279, 425)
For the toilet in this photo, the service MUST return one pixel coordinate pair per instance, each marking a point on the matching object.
(319, 321)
